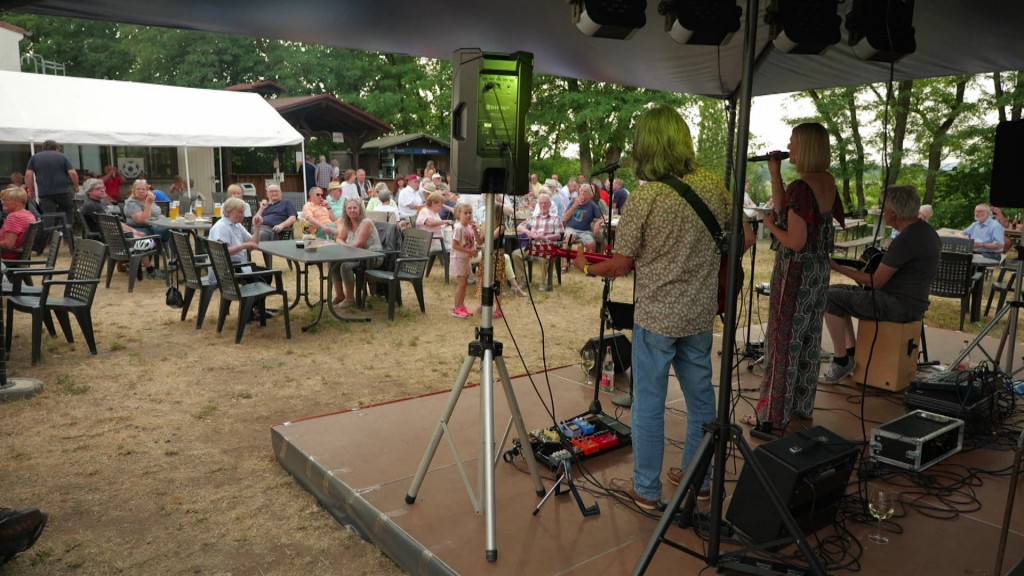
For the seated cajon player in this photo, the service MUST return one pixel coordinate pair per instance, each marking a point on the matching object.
(899, 286)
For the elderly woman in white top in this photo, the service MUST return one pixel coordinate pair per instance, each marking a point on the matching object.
(356, 231)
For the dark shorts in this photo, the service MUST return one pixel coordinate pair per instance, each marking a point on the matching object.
(845, 300)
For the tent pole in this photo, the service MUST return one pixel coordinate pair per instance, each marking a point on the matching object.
(302, 167)
(188, 179)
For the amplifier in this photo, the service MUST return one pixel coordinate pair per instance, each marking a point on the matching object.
(809, 470)
(917, 440)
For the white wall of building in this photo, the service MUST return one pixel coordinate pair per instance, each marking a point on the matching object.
(10, 52)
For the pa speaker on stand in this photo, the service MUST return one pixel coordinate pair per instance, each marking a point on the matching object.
(1009, 149)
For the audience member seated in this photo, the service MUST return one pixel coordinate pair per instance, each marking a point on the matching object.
(275, 216)
(374, 202)
(429, 219)
(409, 199)
(235, 191)
(96, 202)
(16, 222)
(179, 189)
(899, 286)
(335, 201)
(230, 231)
(986, 232)
(543, 228)
(583, 219)
(319, 215)
(140, 208)
(357, 231)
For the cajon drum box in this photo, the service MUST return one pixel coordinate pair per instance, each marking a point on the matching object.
(894, 360)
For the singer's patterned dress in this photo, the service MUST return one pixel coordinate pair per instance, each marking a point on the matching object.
(796, 308)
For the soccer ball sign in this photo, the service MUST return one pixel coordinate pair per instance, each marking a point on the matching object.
(131, 167)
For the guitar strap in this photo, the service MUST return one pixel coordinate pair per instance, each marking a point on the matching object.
(700, 207)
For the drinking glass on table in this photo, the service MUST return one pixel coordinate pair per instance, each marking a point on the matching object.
(174, 212)
(216, 209)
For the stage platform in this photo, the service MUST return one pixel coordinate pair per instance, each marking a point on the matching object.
(360, 465)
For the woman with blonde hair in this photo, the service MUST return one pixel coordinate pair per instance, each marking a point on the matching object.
(801, 225)
(356, 231)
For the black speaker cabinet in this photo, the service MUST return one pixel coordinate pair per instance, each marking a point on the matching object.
(1009, 149)
(622, 352)
(810, 471)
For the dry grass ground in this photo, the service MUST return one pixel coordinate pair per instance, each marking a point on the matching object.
(154, 456)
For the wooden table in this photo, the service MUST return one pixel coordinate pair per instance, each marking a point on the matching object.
(326, 253)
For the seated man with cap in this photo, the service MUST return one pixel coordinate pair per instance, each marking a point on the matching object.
(899, 287)
(409, 199)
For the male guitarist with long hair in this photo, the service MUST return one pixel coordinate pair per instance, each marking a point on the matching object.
(677, 265)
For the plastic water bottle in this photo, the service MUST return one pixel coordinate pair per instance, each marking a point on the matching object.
(608, 372)
(965, 364)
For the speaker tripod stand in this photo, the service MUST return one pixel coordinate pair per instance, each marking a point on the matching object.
(1008, 340)
(489, 352)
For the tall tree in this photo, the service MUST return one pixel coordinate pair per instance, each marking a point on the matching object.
(1012, 99)
(938, 105)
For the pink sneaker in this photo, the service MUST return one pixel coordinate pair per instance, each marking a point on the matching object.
(466, 310)
(461, 312)
(498, 314)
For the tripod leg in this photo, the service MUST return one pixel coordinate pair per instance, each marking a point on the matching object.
(517, 418)
(554, 489)
(442, 427)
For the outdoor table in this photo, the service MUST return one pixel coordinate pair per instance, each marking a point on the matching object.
(982, 264)
(197, 225)
(326, 253)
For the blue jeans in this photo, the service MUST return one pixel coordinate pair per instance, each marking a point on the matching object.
(690, 357)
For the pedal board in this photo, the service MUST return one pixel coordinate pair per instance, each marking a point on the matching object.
(579, 438)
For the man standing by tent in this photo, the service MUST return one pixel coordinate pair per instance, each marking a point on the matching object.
(53, 179)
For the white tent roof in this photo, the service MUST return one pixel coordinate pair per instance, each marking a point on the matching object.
(86, 111)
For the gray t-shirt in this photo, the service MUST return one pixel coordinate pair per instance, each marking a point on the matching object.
(132, 207)
(915, 255)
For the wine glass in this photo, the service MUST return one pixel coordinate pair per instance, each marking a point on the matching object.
(587, 362)
(881, 505)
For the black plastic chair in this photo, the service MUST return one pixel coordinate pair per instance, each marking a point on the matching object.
(49, 264)
(232, 290)
(90, 230)
(443, 254)
(79, 291)
(1002, 284)
(123, 249)
(191, 268)
(956, 244)
(955, 279)
(408, 267)
(58, 222)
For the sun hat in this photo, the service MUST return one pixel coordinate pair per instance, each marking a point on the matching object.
(333, 186)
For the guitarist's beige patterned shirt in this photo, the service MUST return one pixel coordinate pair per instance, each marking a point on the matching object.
(675, 259)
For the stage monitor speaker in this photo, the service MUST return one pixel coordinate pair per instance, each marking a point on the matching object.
(1009, 150)
(490, 98)
(810, 471)
(622, 352)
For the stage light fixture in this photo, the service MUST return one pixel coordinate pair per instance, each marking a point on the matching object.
(701, 22)
(803, 26)
(617, 19)
(882, 30)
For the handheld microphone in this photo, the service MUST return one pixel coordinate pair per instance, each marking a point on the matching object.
(766, 157)
(606, 170)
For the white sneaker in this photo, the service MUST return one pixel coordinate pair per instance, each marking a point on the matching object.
(836, 372)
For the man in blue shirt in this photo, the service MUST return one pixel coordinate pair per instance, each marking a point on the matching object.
(986, 232)
(581, 218)
(619, 194)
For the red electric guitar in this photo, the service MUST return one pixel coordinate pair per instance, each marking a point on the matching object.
(555, 251)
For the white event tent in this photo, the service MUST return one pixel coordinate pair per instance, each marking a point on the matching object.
(106, 112)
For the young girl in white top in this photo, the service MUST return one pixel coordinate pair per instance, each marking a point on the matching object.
(464, 238)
